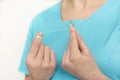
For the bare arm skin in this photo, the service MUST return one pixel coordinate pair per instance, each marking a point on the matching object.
(27, 77)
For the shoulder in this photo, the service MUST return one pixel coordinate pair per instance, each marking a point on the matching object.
(44, 19)
(46, 14)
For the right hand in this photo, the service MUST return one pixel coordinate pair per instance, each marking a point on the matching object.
(41, 60)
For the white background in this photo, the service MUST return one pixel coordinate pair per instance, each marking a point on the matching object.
(15, 18)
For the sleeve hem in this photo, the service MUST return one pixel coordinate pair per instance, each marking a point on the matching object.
(23, 71)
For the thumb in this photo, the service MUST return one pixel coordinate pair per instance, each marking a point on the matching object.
(73, 40)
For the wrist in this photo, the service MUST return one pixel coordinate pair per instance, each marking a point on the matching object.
(95, 76)
(100, 77)
(38, 79)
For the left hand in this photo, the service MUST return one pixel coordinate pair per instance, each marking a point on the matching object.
(78, 60)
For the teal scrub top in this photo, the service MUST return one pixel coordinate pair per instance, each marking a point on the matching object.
(100, 32)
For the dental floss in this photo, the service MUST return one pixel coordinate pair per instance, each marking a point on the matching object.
(55, 30)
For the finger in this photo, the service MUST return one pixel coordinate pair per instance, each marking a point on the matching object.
(68, 51)
(64, 57)
(73, 40)
(35, 45)
(53, 58)
(40, 55)
(47, 54)
(68, 54)
(82, 45)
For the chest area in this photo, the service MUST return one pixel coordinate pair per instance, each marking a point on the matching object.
(102, 41)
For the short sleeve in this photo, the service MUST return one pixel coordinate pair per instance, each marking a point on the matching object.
(23, 67)
(37, 25)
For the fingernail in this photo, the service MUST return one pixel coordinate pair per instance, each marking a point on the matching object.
(53, 51)
(47, 47)
(72, 27)
(39, 36)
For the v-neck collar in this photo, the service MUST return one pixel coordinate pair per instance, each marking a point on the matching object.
(102, 7)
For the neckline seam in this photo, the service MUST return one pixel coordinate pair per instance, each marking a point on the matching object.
(90, 17)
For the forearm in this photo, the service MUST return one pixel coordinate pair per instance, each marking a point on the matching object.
(27, 77)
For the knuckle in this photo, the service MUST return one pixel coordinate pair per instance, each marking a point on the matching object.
(74, 58)
(47, 47)
(36, 43)
(65, 63)
(53, 65)
(45, 65)
(32, 64)
(36, 65)
(28, 63)
(28, 60)
(42, 46)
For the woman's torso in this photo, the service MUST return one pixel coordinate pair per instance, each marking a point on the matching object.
(100, 32)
